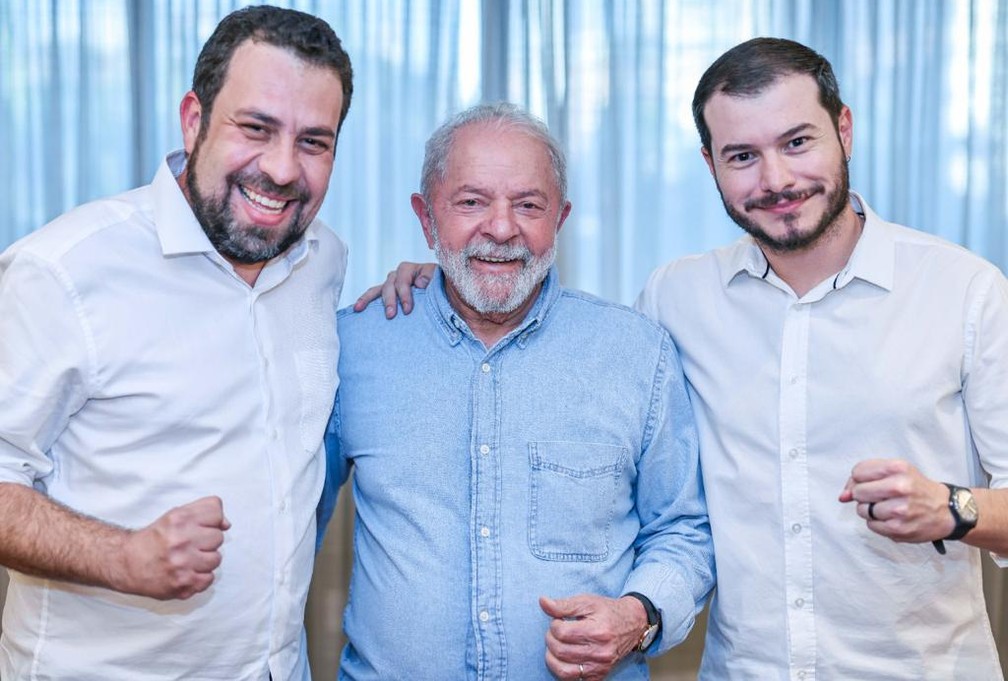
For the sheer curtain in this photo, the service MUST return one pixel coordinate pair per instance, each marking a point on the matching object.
(89, 91)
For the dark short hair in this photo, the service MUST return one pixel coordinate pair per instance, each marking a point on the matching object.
(748, 69)
(307, 36)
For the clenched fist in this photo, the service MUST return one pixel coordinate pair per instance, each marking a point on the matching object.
(175, 556)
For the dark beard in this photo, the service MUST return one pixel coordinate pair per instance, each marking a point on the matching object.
(245, 244)
(793, 240)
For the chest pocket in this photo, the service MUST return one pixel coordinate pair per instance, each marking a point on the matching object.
(573, 487)
(316, 371)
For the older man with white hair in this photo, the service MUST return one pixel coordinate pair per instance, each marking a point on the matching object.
(526, 480)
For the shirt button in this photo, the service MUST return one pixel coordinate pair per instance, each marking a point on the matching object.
(799, 602)
(801, 675)
(283, 505)
(793, 453)
(484, 616)
(794, 379)
(484, 449)
(486, 368)
(484, 531)
(796, 528)
(275, 434)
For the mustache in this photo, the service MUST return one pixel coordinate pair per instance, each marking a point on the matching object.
(488, 249)
(262, 184)
(773, 198)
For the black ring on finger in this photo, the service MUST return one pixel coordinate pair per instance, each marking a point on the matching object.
(871, 511)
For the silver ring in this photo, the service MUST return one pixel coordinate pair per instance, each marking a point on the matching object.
(871, 511)
(580, 671)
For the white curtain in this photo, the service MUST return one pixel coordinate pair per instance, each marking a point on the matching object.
(89, 91)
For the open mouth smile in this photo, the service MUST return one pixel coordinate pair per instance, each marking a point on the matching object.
(263, 203)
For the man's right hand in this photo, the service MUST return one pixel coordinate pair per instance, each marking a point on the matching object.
(397, 287)
(175, 556)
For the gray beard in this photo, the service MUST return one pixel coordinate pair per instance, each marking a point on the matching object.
(492, 294)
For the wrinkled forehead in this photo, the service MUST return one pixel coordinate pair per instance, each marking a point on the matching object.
(499, 153)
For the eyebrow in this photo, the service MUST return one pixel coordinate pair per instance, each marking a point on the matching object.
(519, 195)
(274, 122)
(729, 149)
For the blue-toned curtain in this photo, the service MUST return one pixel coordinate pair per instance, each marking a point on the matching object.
(89, 91)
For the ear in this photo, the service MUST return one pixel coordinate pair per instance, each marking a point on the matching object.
(420, 208)
(191, 117)
(708, 160)
(845, 128)
(563, 216)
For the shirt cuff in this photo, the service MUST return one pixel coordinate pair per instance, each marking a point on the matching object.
(669, 592)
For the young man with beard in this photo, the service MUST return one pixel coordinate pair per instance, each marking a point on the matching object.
(167, 358)
(525, 473)
(830, 352)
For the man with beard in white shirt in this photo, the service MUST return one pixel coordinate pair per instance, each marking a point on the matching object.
(168, 360)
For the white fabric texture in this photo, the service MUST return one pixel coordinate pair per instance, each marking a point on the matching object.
(141, 373)
(902, 354)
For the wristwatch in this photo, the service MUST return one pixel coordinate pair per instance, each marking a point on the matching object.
(653, 628)
(964, 510)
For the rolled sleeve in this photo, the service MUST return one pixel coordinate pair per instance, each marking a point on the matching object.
(45, 355)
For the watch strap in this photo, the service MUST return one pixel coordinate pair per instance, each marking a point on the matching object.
(654, 623)
(653, 616)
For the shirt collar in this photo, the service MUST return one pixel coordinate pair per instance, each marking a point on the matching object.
(455, 327)
(874, 256)
(178, 229)
(873, 259)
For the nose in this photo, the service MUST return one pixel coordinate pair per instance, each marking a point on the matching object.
(775, 173)
(502, 225)
(280, 163)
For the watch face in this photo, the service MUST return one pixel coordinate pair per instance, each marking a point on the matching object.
(966, 505)
(650, 634)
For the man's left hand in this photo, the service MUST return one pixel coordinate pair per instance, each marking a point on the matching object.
(898, 501)
(589, 634)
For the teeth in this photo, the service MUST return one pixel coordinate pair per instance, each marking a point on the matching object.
(262, 201)
(489, 259)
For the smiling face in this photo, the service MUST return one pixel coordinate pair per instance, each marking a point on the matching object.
(779, 162)
(493, 219)
(258, 170)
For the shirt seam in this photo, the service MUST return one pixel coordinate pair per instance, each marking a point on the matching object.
(61, 276)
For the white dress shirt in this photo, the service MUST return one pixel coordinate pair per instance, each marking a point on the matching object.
(902, 354)
(139, 373)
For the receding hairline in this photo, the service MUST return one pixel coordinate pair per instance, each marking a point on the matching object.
(498, 127)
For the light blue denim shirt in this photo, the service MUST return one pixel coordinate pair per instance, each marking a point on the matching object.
(561, 461)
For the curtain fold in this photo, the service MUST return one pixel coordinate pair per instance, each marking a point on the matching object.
(89, 94)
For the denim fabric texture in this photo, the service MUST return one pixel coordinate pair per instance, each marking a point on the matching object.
(561, 461)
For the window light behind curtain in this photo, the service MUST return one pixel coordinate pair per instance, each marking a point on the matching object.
(89, 91)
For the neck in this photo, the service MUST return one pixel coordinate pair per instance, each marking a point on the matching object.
(803, 269)
(248, 272)
(490, 327)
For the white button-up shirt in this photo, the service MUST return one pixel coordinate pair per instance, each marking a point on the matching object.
(139, 373)
(902, 354)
